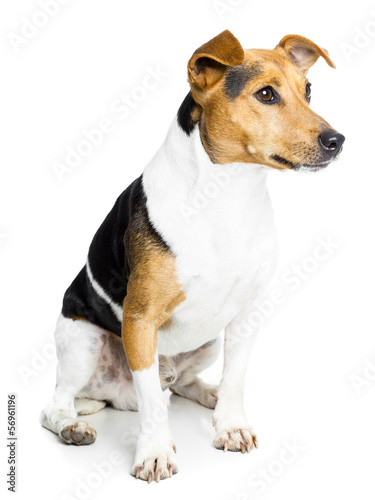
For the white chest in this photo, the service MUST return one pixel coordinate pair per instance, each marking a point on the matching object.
(224, 257)
(218, 222)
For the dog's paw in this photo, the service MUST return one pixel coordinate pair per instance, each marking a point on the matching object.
(198, 391)
(156, 466)
(208, 396)
(78, 432)
(242, 439)
(85, 406)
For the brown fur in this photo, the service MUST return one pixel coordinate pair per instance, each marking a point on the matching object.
(246, 130)
(223, 50)
(234, 127)
(152, 295)
(294, 45)
(153, 291)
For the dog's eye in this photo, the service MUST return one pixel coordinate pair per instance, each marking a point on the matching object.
(267, 95)
(308, 92)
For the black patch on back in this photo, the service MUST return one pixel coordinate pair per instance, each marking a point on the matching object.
(237, 77)
(108, 258)
(184, 114)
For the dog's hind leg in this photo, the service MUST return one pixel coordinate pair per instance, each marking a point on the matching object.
(78, 344)
(189, 364)
(85, 406)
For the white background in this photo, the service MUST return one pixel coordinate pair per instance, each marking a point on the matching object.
(300, 378)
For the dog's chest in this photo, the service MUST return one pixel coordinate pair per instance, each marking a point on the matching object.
(225, 254)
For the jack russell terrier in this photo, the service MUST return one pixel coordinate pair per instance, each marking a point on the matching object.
(145, 312)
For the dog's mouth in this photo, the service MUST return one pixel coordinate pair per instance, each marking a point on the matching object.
(301, 165)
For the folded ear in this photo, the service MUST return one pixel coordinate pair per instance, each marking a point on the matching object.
(303, 52)
(208, 63)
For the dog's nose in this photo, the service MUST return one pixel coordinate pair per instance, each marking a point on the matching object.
(331, 141)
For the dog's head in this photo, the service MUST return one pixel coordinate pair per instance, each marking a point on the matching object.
(253, 106)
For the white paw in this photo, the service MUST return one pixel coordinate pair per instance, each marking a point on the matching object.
(78, 432)
(236, 439)
(86, 406)
(155, 464)
(198, 391)
(208, 396)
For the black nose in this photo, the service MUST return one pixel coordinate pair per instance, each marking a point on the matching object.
(331, 141)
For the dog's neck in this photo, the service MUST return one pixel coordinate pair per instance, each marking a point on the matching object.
(185, 160)
(185, 189)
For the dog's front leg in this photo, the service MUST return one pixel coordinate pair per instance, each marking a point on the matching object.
(155, 452)
(232, 429)
(152, 295)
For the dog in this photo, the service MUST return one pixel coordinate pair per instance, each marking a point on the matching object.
(163, 278)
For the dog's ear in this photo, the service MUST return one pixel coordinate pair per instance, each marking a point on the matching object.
(208, 63)
(303, 52)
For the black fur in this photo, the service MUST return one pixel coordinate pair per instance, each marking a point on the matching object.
(283, 161)
(237, 77)
(184, 113)
(108, 258)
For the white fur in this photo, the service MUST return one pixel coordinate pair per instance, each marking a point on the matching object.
(86, 406)
(116, 308)
(155, 447)
(231, 425)
(225, 254)
(74, 339)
